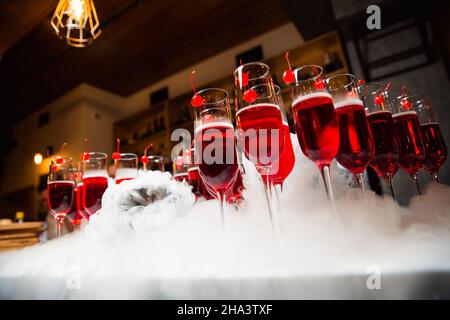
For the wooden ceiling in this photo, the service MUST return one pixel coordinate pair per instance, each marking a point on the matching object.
(142, 42)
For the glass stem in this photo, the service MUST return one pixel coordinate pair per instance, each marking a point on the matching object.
(325, 171)
(222, 214)
(415, 178)
(59, 224)
(435, 177)
(277, 191)
(391, 187)
(359, 177)
(268, 197)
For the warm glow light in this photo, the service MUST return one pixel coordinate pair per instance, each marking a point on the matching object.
(76, 21)
(38, 158)
(76, 7)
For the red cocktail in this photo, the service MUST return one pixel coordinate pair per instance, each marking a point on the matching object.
(436, 150)
(356, 148)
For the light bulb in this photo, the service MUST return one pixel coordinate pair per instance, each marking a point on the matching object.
(77, 8)
(38, 158)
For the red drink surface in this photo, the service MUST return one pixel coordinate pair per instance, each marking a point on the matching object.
(317, 127)
(180, 177)
(60, 197)
(93, 189)
(356, 147)
(281, 169)
(409, 137)
(436, 150)
(258, 147)
(386, 146)
(221, 172)
(118, 181)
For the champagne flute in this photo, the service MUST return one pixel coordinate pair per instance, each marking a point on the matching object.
(126, 167)
(435, 148)
(379, 115)
(95, 181)
(356, 147)
(60, 186)
(259, 120)
(76, 214)
(215, 143)
(315, 120)
(409, 136)
(154, 163)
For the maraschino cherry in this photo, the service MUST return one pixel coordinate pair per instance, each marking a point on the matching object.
(406, 104)
(379, 99)
(85, 155)
(116, 155)
(144, 158)
(288, 75)
(59, 159)
(196, 100)
(250, 95)
(319, 84)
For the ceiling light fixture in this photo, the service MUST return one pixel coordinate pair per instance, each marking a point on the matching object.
(76, 21)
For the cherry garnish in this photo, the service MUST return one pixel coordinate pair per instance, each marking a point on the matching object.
(116, 155)
(59, 159)
(85, 155)
(250, 96)
(319, 84)
(196, 100)
(360, 82)
(288, 75)
(378, 99)
(406, 104)
(144, 158)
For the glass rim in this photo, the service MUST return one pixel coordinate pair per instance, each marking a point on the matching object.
(349, 75)
(373, 84)
(251, 64)
(418, 97)
(214, 89)
(403, 92)
(314, 78)
(277, 89)
(128, 156)
(155, 157)
(97, 155)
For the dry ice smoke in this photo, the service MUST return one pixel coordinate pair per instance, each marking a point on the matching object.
(175, 249)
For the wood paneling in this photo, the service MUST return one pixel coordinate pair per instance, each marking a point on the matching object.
(18, 17)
